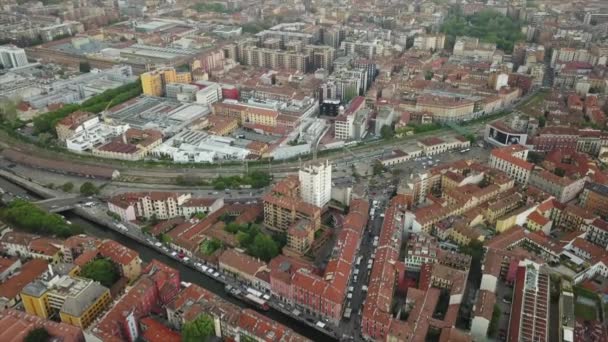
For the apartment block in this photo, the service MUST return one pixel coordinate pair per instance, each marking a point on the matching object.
(153, 82)
(315, 183)
(513, 161)
(12, 57)
(595, 198)
(78, 301)
(283, 206)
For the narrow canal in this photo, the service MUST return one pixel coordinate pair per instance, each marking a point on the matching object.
(187, 274)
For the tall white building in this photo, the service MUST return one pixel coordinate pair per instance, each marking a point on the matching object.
(210, 94)
(12, 56)
(315, 183)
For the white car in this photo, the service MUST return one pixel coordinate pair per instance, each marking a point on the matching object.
(204, 268)
(216, 274)
(173, 253)
(210, 270)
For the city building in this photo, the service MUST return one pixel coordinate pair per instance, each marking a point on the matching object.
(209, 94)
(244, 267)
(78, 301)
(433, 145)
(133, 144)
(446, 109)
(529, 320)
(283, 206)
(66, 127)
(595, 198)
(564, 188)
(12, 57)
(126, 259)
(153, 83)
(10, 288)
(157, 287)
(131, 206)
(315, 183)
(482, 315)
(15, 326)
(247, 113)
(597, 233)
(513, 161)
(85, 136)
(300, 237)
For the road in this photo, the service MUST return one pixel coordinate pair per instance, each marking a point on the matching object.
(134, 172)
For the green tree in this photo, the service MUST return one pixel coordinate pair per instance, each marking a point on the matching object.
(489, 26)
(67, 187)
(37, 335)
(559, 172)
(199, 329)
(84, 67)
(542, 121)
(378, 168)
(8, 111)
(88, 189)
(264, 247)
(199, 215)
(386, 132)
(101, 270)
(33, 219)
(165, 238)
(471, 138)
(493, 327)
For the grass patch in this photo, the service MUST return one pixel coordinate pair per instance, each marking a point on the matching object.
(586, 312)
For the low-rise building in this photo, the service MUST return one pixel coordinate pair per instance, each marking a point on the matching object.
(244, 267)
(16, 325)
(133, 144)
(66, 127)
(529, 318)
(126, 259)
(434, 145)
(10, 288)
(482, 314)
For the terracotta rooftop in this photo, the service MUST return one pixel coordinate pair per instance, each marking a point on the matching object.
(15, 326)
(155, 331)
(116, 252)
(29, 272)
(243, 262)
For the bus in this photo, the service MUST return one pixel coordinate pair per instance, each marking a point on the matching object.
(254, 292)
(257, 302)
(465, 150)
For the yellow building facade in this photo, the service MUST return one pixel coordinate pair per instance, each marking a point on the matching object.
(78, 301)
(153, 82)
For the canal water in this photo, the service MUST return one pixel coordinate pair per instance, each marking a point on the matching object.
(187, 274)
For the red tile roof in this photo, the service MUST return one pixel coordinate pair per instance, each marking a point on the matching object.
(506, 154)
(15, 326)
(155, 331)
(241, 261)
(29, 272)
(116, 252)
